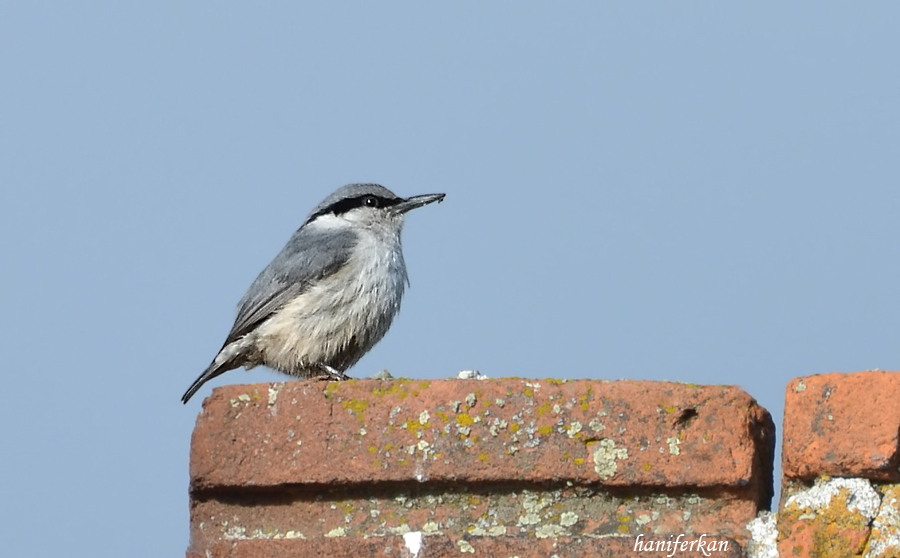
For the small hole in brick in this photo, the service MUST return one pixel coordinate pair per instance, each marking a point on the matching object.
(685, 417)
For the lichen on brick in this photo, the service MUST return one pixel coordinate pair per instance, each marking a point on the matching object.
(831, 518)
(606, 455)
(884, 539)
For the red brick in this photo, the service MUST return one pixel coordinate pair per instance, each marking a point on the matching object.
(240, 439)
(504, 462)
(444, 547)
(674, 434)
(842, 425)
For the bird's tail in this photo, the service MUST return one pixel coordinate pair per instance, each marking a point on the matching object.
(214, 369)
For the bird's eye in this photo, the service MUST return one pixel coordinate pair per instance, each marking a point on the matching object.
(370, 201)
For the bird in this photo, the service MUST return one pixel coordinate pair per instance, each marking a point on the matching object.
(331, 293)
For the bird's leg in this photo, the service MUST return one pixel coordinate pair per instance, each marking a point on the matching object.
(331, 374)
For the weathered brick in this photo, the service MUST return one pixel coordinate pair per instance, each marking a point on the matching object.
(445, 547)
(842, 425)
(501, 461)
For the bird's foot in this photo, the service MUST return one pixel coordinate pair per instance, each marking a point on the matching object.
(330, 374)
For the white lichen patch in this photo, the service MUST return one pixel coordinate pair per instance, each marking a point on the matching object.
(471, 375)
(532, 504)
(861, 496)
(549, 530)
(465, 547)
(274, 388)
(800, 386)
(471, 399)
(431, 528)
(423, 417)
(573, 429)
(420, 473)
(674, 442)
(499, 402)
(235, 534)
(885, 537)
(294, 535)
(336, 532)
(596, 426)
(567, 519)
(401, 529)
(241, 533)
(605, 455)
(763, 535)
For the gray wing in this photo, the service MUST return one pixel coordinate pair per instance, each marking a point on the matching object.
(308, 257)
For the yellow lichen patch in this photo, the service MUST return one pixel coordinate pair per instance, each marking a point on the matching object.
(545, 430)
(413, 425)
(355, 406)
(442, 415)
(483, 457)
(373, 449)
(396, 388)
(647, 466)
(514, 427)
(584, 401)
(837, 530)
(464, 419)
(543, 409)
(555, 382)
(330, 389)
(528, 392)
(579, 461)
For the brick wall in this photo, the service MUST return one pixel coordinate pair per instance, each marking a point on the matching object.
(515, 467)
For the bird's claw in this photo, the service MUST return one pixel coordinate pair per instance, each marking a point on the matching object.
(330, 374)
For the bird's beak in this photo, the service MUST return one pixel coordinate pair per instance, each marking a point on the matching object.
(416, 201)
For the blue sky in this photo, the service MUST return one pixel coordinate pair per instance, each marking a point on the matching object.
(703, 192)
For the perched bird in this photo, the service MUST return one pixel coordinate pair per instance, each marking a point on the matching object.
(331, 293)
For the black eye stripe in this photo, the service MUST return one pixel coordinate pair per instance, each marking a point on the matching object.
(367, 200)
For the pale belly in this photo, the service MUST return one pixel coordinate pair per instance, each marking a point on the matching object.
(335, 324)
